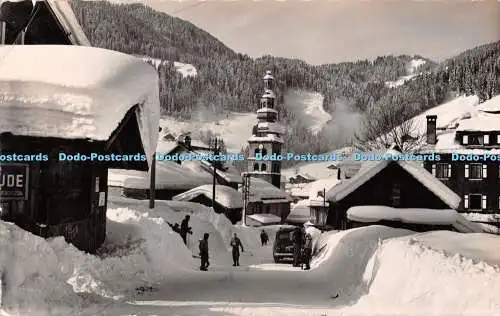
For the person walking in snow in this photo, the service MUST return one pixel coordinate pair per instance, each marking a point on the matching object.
(185, 229)
(264, 238)
(297, 239)
(307, 251)
(204, 253)
(236, 245)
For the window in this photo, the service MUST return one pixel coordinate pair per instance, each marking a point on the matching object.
(263, 167)
(486, 139)
(498, 139)
(465, 139)
(256, 167)
(476, 140)
(257, 151)
(476, 171)
(396, 194)
(441, 170)
(474, 201)
(264, 151)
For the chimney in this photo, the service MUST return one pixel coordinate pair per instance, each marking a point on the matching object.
(431, 129)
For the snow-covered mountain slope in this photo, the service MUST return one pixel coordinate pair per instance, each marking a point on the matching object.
(411, 73)
(186, 70)
(308, 106)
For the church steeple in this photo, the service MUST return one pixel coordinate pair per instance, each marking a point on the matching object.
(266, 137)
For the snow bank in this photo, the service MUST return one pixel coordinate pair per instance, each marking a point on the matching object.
(203, 220)
(409, 277)
(64, 96)
(33, 277)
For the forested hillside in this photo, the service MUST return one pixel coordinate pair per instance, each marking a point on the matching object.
(231, 82)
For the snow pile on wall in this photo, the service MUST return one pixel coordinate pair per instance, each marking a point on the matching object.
(408, 276)
(33, 277)
(203, 220)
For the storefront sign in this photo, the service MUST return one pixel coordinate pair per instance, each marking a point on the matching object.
(14, 184)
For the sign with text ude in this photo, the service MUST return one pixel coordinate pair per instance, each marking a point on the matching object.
(14, 182)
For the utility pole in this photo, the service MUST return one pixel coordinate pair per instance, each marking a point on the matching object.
(152, 179)
(246, 196)
(214, 178)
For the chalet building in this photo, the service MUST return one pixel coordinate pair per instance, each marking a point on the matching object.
(263, 198)
(40, 103)
(301, 178)
(386, 182)
(45, 23)
(469, 157)
(228, 201)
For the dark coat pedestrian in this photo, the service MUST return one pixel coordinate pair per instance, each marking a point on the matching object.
(185, 229)
(204, 253)
(308, 245)
(264, 238)
(236, 245)
(298, 240)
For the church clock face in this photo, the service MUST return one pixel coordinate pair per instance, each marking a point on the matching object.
(261, 146)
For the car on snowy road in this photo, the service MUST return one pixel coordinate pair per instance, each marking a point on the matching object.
(283, 245)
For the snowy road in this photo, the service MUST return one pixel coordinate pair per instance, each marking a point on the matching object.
(263, 288)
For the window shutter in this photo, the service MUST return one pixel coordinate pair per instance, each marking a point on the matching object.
(433, 170)
(466, 171)
(466, 139)
(483, 204)
(486, 139)
(449, 170)
(466, 201)
(485, 171)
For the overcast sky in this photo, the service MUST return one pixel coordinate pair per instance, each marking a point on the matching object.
(323, 31)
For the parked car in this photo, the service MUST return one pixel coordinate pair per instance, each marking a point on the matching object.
(283, 245)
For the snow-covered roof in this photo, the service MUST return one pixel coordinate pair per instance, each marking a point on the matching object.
(76, 92)
(300, 213)
(267, 138)
(266, 110)
(320, 185)
(261, 190)
(492, 105)
(65, 15)
(271, 127)
(265, 219)
(371, 168)
(480, 123)
(169, 175)
(375, 213)
(224, 195)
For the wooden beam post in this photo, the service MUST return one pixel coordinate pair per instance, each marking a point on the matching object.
(152, 182)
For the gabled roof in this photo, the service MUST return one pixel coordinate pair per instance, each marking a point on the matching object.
(66, 17)
(371, 168)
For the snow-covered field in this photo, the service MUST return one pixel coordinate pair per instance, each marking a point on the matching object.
(411, 73)
(145, 269)
(235, 129)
